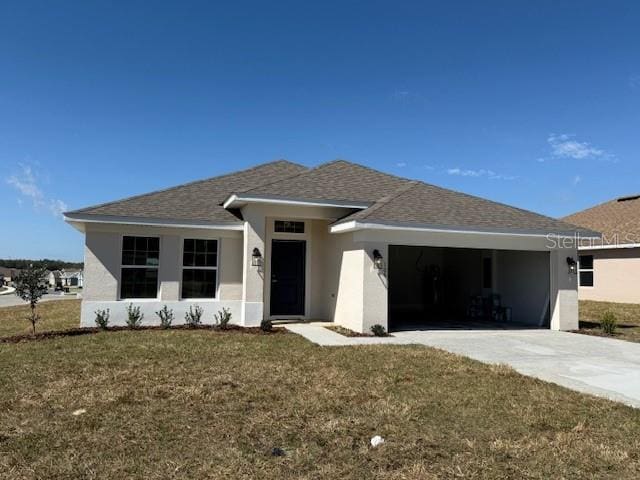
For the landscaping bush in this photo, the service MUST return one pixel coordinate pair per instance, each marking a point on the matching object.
(134, 317)
(193, 317)
(223, 317)
(166, 316)
(609, 323)
(102, 318)
(266, 325)
(378, 330)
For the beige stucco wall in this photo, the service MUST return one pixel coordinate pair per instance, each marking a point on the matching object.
(616, 276)
(103, 250)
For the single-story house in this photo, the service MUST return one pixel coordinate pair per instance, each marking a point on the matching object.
(54, 278)
(72, 279)
(339, 242)
(609, 268)
(8, 274)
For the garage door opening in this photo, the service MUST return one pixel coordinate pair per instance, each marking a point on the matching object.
(465, 288)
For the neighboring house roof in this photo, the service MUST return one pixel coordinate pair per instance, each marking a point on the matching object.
(617, 219)
(198, 201)
(383, 198)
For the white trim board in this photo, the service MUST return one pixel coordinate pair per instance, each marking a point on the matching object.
(77, 221)
(609, 247)
(354, 225)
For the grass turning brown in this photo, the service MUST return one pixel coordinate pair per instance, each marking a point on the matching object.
(204, 404)
(627, 315)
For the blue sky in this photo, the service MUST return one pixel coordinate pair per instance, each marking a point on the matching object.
(535, 104)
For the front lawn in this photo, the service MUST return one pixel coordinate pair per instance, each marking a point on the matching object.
(627, 314)
(56, 315)
(205, 404)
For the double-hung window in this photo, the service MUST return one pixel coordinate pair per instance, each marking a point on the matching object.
(199, 268)
(585, 270)
(139, 273)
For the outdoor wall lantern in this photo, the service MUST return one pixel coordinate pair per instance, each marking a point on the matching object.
(377, 259)
(573, 266)
(256, 258)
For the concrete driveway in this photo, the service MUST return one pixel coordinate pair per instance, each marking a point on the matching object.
(599, 366)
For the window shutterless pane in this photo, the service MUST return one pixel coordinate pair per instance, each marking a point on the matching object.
(586, 279)
(140, 251)
(200, 253)
(198, 283)
(586, 262)
(139, 283)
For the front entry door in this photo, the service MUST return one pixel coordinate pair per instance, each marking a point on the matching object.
(287, 277)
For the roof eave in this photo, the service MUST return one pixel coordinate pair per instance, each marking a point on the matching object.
(355, 225)
(79, 220)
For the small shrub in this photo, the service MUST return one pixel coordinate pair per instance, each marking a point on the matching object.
(223, 317)
(193, 317)
(134, 317)
(378, 330)
(166, 316)
(266, 325)
(102, 318)
(609, 323)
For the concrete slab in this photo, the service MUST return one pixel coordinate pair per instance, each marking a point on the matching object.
(599, 366)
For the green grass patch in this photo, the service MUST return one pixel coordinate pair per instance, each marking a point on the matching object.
(627, 316)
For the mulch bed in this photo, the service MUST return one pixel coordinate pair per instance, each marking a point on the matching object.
(73, 332)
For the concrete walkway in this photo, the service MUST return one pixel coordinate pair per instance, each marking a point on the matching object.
(599, 366)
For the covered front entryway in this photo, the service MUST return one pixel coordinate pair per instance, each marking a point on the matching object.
(442, 287)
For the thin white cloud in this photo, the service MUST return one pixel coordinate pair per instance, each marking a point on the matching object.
(634, 81)
(565, 146)
(401, 164)
(26, 183)
(490, 174)
(576, 180)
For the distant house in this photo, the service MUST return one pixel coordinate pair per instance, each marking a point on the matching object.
(609, 269)
(72, 279)
(53, 278)
(7, 275)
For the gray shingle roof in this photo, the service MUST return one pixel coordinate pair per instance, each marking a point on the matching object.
(337, 180)
(196, 201)
(617, 219)
(421, 204)
(393, 199)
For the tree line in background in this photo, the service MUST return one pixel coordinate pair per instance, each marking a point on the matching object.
(22, 263)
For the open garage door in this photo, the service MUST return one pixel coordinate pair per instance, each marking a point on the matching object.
(437, 287)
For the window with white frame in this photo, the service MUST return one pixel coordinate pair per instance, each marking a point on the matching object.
(139, 272)
(585, 270)
(199, 268)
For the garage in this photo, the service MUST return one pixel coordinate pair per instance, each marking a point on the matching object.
(466, 288)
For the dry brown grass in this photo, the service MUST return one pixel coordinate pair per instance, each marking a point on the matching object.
(56, 315)
(203, 404)
(627, 314)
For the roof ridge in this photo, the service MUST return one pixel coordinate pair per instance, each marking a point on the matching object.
(287, 178)
(187, 184)
(384, 200)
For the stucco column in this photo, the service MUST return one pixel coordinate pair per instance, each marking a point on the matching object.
(253, 277)
(375, 288)
(564, 290)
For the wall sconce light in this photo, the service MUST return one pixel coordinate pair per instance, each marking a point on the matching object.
(256, 258)
(377, 260)
(573, 266)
